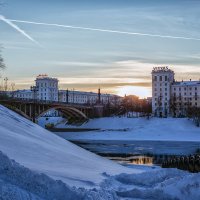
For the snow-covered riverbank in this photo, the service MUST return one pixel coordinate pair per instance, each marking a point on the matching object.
(154, 129)
(44, 152)
(32, 160)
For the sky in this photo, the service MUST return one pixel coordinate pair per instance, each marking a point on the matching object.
(112, 44)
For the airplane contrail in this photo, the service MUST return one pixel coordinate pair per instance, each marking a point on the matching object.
(107, 30)
(9, 22)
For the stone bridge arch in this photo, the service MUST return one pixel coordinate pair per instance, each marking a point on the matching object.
(71, 113)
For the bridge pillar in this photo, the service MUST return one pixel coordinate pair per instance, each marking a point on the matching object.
(98, 111)
(25, 109)
(30, 110)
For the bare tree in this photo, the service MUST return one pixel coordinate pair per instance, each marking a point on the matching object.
(2, 65)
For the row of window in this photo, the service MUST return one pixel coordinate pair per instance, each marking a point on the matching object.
(160, 94)
(161, 89)
(180, 88)
(195, 94)
(160, 78)
(46, 84)
(178, 104)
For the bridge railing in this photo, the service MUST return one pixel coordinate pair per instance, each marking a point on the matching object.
(25, 100)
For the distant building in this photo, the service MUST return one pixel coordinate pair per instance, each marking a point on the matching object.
(170, 96)
(90, 98)
(184, 94)
(22, 94)
(47, 88)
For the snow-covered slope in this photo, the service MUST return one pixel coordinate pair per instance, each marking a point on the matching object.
(20, 183)
(115, 128)
(39, 153)
(42, 151)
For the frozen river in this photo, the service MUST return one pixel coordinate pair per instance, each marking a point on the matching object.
(139, 147)
(137, 151)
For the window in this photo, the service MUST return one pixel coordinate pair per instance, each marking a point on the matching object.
(155, 78)
(160, 78)
(165, 78)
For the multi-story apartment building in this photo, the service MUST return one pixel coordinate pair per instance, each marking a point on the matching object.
(170, 96)
(47, 88)
(184, 94)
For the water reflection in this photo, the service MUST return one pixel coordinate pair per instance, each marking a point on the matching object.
(139, 152)
(135, 160)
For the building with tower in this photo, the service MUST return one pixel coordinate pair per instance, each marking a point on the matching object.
(47, 88)
(170, 97)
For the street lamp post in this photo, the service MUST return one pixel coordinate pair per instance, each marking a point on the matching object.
(34, 89)
(67, 96)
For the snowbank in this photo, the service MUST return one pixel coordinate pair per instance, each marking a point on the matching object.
(159, 129)
(44, 152)
(164, 184)
(20, 183)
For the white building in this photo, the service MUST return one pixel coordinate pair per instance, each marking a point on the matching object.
(47, 88)
(22, 94)
(185, 94)
(90, 98)
(170, 96)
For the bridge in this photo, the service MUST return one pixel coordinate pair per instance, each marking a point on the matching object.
(33, 109)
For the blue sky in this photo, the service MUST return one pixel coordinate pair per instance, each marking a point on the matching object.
(85, 59)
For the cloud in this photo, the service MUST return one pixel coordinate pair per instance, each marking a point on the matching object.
(7, 21)
(74, 63)
(106, 30)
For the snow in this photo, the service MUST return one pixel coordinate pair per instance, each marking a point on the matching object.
(187, 83)
(154, 129)
(43, 152)
(165, 184)
(38, 165)
(42, 121)
(20, 183)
